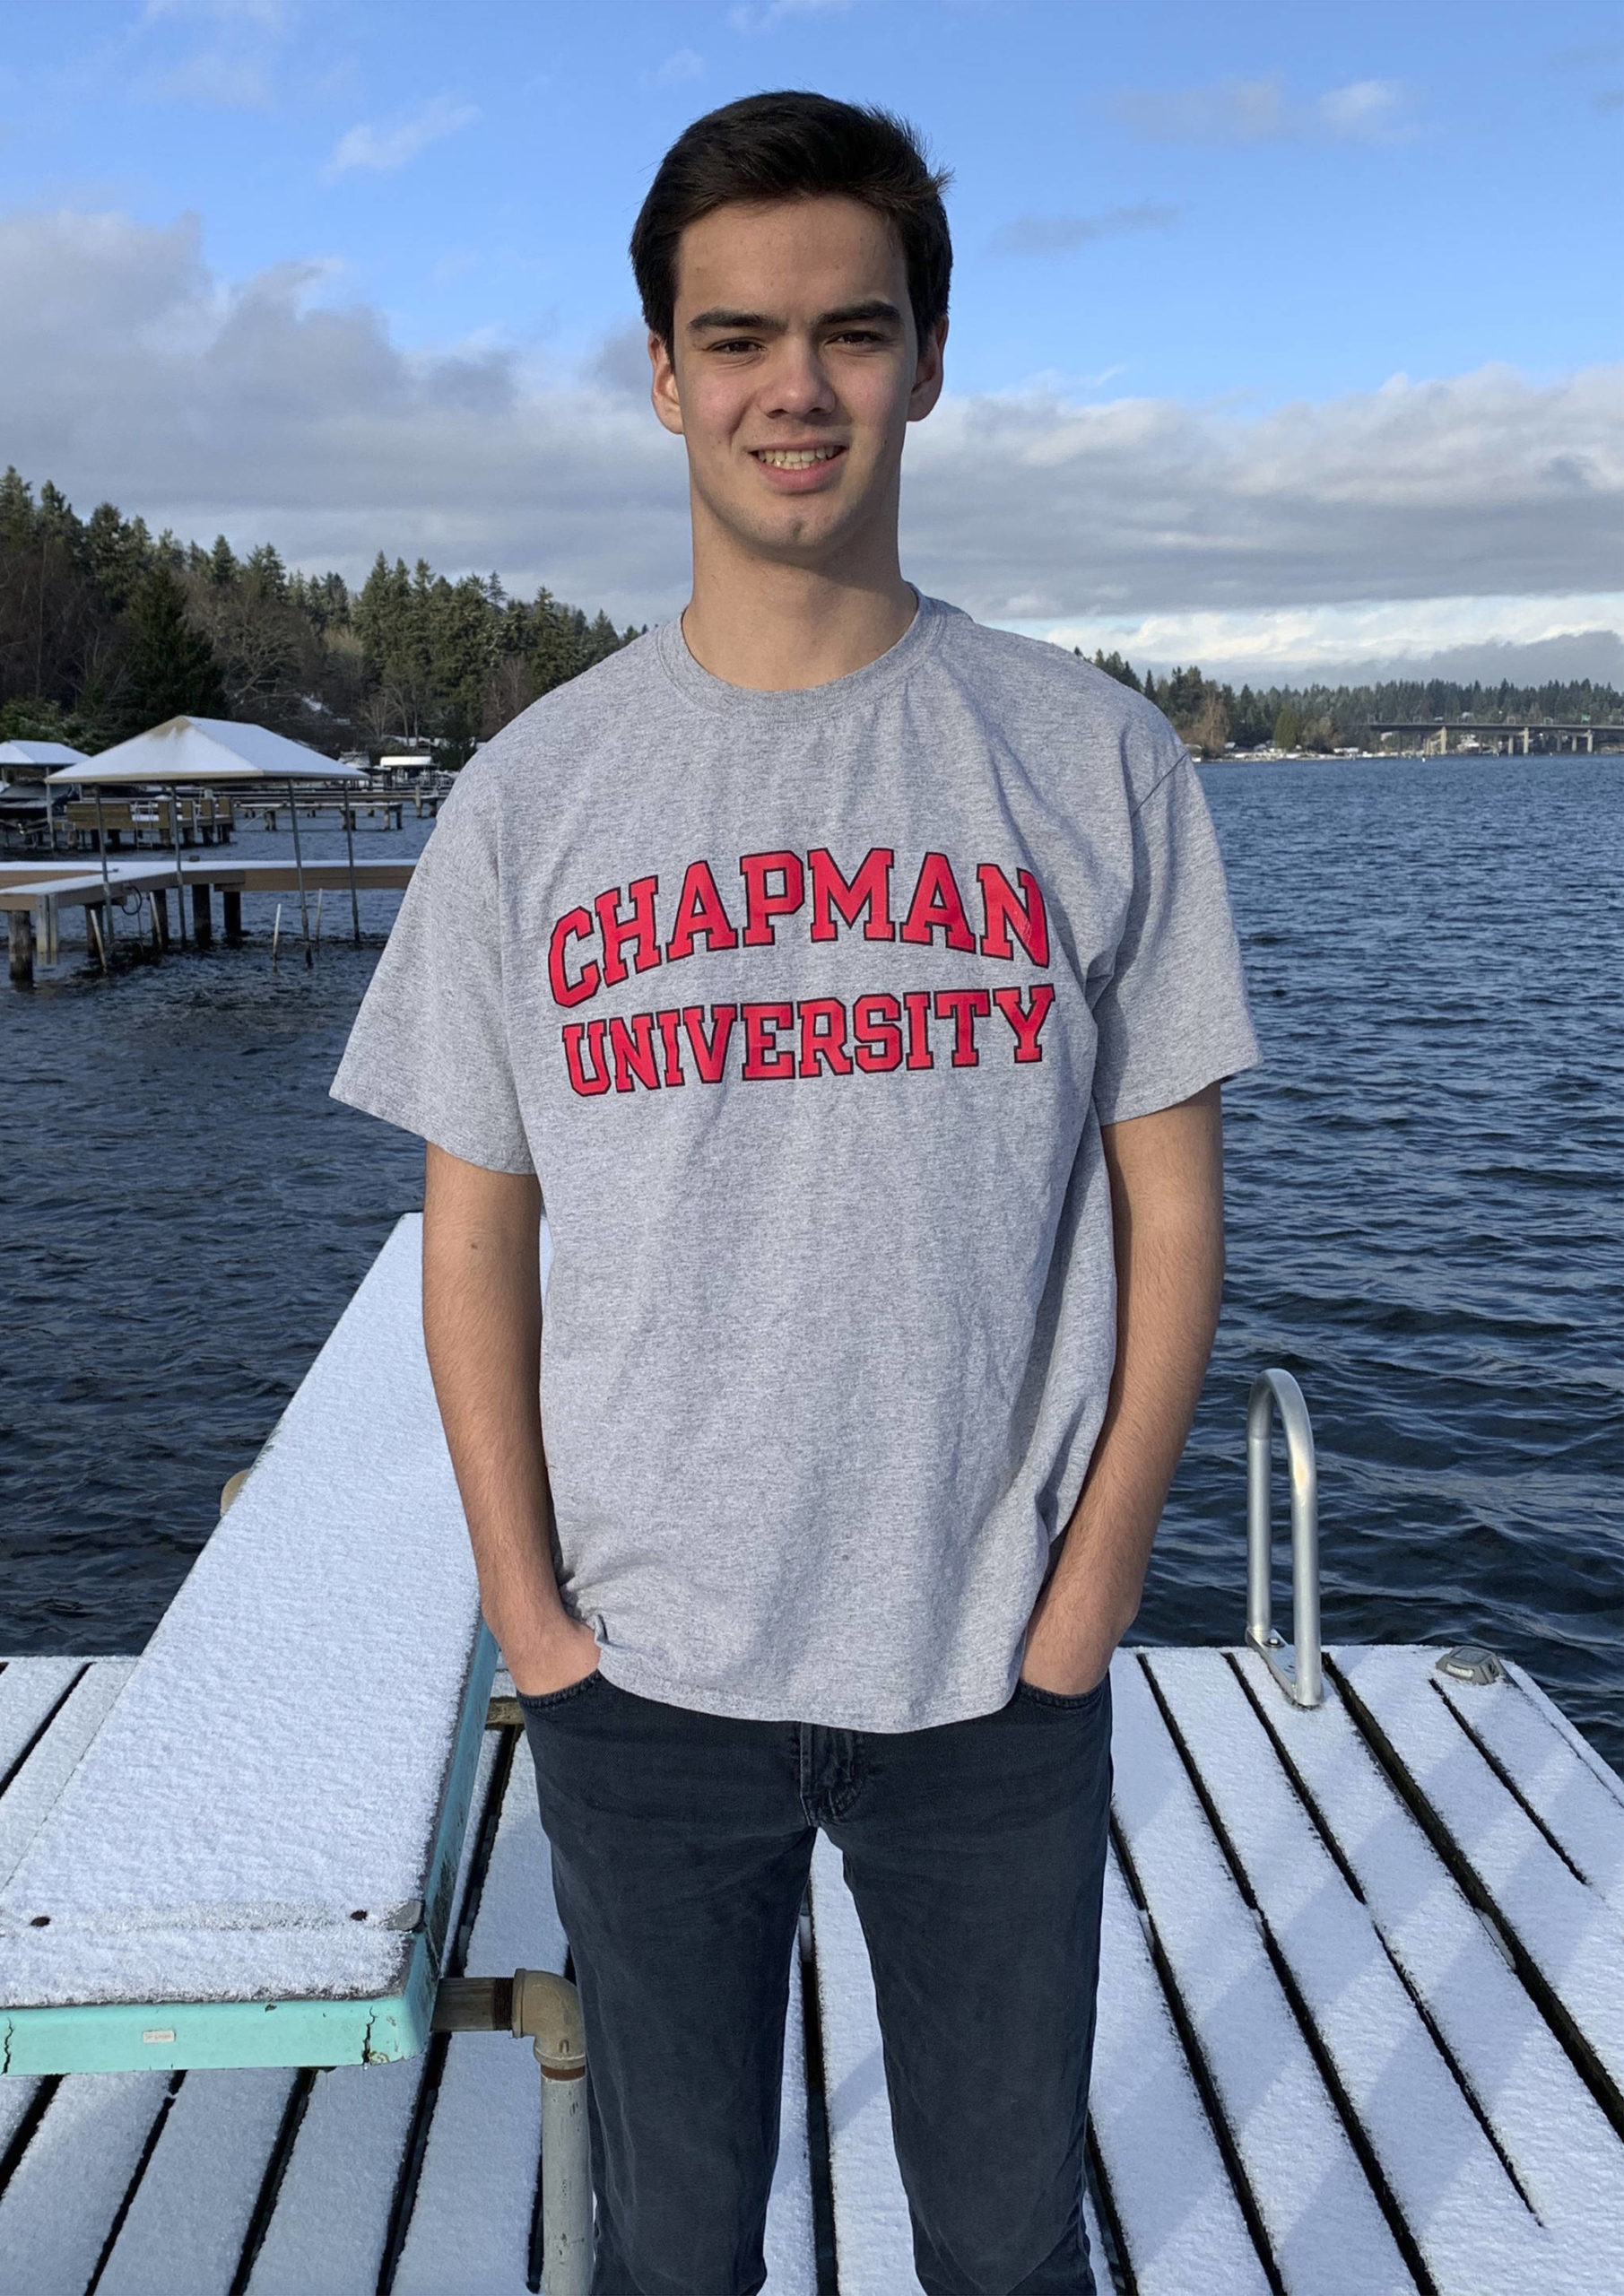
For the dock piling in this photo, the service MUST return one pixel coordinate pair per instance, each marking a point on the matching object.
(230, 907)
(203, 923)
(160, 898)
(19, 945)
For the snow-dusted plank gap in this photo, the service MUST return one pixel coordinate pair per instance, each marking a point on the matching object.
(327, 2234)
(1576, 1807)
(62, 2200)
(1568, 1931)
(29, 1690)
(191, 2212)
(1181, 2225)
(470, 2224)
(277, 1760)
(34, 1791)
(873, 2234)
(1325, 2228)
(1470, 2224)
(791, 2244)
(1567, 2157)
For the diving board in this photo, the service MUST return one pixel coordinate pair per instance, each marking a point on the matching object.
(250, 1862)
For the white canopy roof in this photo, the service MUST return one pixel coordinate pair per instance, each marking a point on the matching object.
(207, 749)
(39, 753)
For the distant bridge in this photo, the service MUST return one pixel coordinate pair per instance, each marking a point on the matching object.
(1438, 736)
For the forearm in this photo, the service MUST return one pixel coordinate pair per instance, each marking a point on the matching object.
(1167, 1193)
(482, 1327)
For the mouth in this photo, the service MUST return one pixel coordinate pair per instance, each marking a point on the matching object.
(794, 457)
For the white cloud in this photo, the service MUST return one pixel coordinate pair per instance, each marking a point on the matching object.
(752, 19)
(382, 149)
(134, 373)
(1260, 111)
(1062, 234)
(683, 64)
(213, 78)
(1519, 637)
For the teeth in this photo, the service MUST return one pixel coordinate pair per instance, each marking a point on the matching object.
(794, 457)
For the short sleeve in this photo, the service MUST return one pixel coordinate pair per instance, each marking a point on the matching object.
(429, 1050)
(1172, 1018)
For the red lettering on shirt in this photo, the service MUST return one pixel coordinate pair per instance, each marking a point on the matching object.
(1026, 1019)
(870, 890)
(938, 906)
(631, 1047)
(764, 1056)
(876, 1037)
(636, 929)
(670, 1022)
(1003, 907)
(823, 1036)
(575, 924)
(917, 1003)
(762, 904)
(709, 1052)
(586, 1081)
(700, 916)
(964, 1007)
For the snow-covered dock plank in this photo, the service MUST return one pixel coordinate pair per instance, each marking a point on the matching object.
(336, 2205)
(1475, 2233)
(1571, 1797)
(190, 2215)
(30, 1689)
(1326, 2228)
(1179, 2220)
(38, 1782)
(1565, 2154)
(62, 2201)
(1568, 1932)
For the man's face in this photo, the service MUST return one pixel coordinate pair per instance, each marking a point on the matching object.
(793, 373)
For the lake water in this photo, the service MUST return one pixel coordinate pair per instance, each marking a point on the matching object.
(1425, 1225)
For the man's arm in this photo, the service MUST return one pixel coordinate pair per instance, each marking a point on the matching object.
(483, 1324)
(1167, 1205)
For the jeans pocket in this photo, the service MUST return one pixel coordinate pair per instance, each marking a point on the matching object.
(549, 1700)
(1059, 1703)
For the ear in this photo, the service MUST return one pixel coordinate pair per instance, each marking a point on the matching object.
(928, 373)
(662, 386)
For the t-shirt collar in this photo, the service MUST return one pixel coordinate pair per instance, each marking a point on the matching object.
(802, 702)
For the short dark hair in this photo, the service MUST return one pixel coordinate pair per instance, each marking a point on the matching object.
(794, 145)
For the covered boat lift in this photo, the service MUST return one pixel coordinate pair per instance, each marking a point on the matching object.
(216, 751)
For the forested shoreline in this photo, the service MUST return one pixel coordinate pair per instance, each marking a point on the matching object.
(107, 629)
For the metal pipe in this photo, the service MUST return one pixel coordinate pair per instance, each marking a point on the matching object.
(349, 849)
(106, 885)
(548, 2008)
(299, 865)
(1302, 1680)
(180, 882)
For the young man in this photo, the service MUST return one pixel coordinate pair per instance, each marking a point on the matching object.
(857, 983)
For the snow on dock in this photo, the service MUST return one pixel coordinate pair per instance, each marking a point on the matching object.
(1362, 1966)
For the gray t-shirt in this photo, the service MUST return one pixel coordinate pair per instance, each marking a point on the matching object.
(807, 1009)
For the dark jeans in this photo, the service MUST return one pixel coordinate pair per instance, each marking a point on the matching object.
(975, 1852)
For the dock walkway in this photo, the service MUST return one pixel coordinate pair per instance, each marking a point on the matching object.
(1362, 2015)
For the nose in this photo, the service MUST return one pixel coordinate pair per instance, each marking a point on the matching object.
(797, 383)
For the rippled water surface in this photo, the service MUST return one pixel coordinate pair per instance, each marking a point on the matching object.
(1424, 1218)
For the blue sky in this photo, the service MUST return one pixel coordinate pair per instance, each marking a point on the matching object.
(1311, 317)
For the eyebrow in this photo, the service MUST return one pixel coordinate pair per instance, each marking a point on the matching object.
(758, 322)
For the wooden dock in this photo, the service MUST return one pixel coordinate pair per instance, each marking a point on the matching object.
(34, 894)
(1361, 2010)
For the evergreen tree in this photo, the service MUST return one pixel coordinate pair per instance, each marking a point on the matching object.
(171, 671)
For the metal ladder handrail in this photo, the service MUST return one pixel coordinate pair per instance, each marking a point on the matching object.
(1303, 1680)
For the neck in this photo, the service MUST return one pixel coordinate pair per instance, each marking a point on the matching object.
(776, 627)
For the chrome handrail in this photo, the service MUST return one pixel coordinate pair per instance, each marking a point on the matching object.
(1302, 1680)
